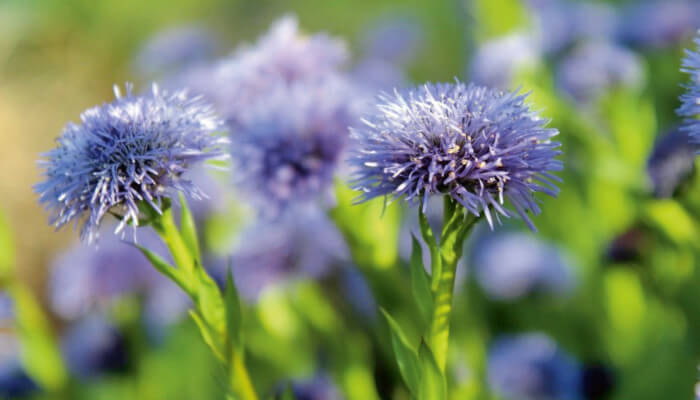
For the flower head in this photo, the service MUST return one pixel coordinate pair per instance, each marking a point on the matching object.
(288, 145)
(532, 367)
(134, 149)
(690, 100)
(658, 23)
(478, 145)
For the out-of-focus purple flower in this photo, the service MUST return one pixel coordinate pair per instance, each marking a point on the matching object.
(659, 23)
(14, 381)
(478, 145)
(283, 55)
(690, 100)
(300, 244)
(671, 162)
(175, 49)
(497, 62)
(595, 67)
(511, 265)
(134, 149)
(288, 145)
(394, 39)
(93, 346)
(86, 279)
(558, 24)
(376, 75)
(320, 387)
(358, 293)
(532, 367)
(165, 304)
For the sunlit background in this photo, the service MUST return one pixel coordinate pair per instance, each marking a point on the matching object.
(602, 302)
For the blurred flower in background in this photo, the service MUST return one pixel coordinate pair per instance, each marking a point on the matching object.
(175, 49)
(532, 367)
(301, 244)
(671, 163)
(513, 264)
(593, 68)
(690, 100)
(132, 149)
(14, 381)
(497, 62)
(93, 346)
(658, 23)
(86, 280)
(251, 72)
(320, 387)
(287, 147)
(558, 24)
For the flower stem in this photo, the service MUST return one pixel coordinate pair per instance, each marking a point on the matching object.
(456, 227)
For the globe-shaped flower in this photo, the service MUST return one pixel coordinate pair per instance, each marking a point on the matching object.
(690, 100)
(287, 146)
(478, 145)
(132, 150)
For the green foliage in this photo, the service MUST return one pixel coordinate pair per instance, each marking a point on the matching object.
(406, 356)
(7, 251)
(420, 283)
(432, 382)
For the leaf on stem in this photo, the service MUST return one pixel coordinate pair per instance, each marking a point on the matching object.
(188, 229)
(233, 315)
(432, 384)
(420, 283)
(406, 356)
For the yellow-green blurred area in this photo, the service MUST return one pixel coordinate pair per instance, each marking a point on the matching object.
(637, 316)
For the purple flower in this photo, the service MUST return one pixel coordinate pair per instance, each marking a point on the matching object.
(511, 265)
(532, 367)
(496, 62)
(595, 67)
(659, 23)
(93, 346)
(671, 163)
(478, 145)
(283, 55)
(175, 49)
(690, 100)
(132, 150)
(288, 145)
(301, 244)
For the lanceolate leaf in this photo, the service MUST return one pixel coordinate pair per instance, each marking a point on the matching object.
(164, 268)
(188, 229)
(405, 355)
(432, 384)
(233, 315)
(420, 283)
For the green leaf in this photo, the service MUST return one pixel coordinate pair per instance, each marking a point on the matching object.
(40, 354)
(233, 315)
(164, 268)
(210, 337)
(209, 302)
(166, 228)
(429, 237)
(420, 283)
(406, 357)
(188, 229)
(432, 383)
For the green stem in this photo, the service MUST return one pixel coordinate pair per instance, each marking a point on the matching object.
(239, 379)
(456, 227)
